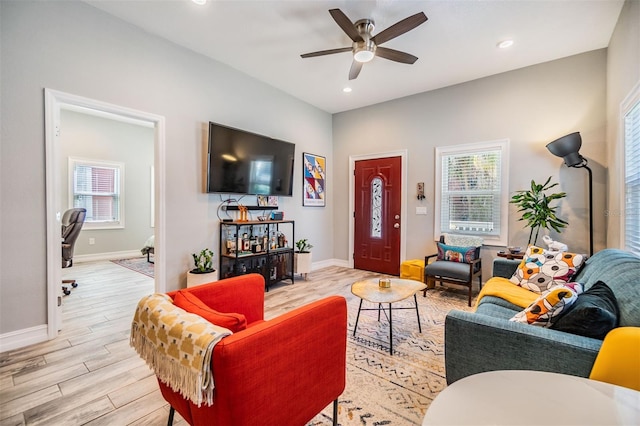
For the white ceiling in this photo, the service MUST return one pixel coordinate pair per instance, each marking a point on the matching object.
(264, 39)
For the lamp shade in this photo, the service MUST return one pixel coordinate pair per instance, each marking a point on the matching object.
(567, 147)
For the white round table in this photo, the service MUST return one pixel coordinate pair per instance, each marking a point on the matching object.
(517, 397)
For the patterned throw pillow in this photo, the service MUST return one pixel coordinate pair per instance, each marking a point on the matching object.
(541, 269)
(456, 254)
(545, 309)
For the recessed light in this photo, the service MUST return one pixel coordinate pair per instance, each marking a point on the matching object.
(504, 44)
(347, 90)
(200, 2)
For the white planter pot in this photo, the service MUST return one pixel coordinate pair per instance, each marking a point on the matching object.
(198, 279)
(302, 263)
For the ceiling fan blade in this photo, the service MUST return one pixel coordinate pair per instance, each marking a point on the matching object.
(355, 70)
(395, 55)
(326, 52)
(345, 23)
(399, 28)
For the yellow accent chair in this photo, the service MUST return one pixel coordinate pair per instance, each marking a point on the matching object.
(618, 361)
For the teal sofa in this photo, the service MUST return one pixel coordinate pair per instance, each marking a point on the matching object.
(485, 340)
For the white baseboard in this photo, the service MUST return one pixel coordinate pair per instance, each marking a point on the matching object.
(107, 256)
(21, 338)
(329, 262)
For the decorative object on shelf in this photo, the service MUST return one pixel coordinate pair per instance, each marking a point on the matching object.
(314, 179)
(257, 246)
(302, 257)
(244, 213)
(203, 272)
(568, 148)
(554, 245)
(267, 201)
(536, 209)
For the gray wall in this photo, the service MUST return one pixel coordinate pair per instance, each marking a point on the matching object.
(74, 48)
(623, 73)
(103, 139)
(531, 107)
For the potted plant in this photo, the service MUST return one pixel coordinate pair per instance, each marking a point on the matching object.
(302, 257)
(537, 211)
(203, 272)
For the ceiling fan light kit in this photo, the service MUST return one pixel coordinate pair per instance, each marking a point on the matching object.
(364, 51)
(365, 46)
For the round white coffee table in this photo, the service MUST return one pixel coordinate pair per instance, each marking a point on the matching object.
(518, 397)
(400, 289)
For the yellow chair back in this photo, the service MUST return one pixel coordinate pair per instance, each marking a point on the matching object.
(618, 361)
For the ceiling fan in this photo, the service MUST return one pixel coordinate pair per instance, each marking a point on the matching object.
(365, 46)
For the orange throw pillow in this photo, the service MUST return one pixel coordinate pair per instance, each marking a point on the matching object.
(190, 303)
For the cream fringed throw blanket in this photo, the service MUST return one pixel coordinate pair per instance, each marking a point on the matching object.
(177, 345)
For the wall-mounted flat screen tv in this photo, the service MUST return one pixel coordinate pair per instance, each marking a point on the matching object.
(246, 163)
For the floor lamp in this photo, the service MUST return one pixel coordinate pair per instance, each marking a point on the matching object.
(567, 147)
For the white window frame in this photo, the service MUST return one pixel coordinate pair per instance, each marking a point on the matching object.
(503, 146)
(89, 224)
(625, 211)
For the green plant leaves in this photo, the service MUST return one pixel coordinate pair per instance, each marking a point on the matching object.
(303, 245)
(537, 211)
(204, 260)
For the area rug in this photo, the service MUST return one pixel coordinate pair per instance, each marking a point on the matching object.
(138, 264)
(394, 390)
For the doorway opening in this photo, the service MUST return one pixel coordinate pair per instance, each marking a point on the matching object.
(55, 102)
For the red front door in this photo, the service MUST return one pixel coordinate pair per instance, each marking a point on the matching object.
(378, 186)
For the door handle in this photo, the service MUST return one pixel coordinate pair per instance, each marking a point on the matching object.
(396, 225)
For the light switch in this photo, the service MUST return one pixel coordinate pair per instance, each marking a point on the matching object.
(421, 210)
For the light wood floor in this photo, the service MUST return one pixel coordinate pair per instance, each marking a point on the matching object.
(90, 375)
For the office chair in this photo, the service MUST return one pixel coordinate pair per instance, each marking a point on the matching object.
(72, 221)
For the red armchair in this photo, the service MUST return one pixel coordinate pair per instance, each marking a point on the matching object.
(278, 372)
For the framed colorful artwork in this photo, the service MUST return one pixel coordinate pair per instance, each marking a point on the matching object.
(313, 185)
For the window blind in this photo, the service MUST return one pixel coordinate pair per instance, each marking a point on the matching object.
(471, 193)
(97, 189)
(632, 179)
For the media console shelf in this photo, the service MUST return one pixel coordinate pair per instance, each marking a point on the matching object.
(263, 247)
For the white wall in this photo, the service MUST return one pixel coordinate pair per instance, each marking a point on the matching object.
(74, 48)
(530, 106)
(623, 73)
(104, 139)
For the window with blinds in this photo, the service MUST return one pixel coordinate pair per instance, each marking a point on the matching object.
(471, 190)
(97, 187)
(631, 208)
